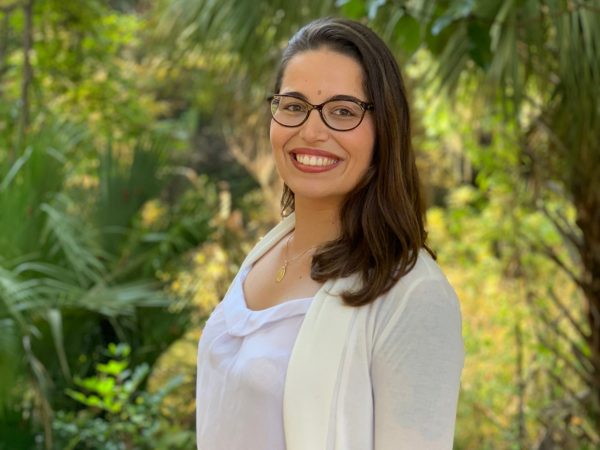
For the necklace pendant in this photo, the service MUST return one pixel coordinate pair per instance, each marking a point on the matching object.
(281, 273)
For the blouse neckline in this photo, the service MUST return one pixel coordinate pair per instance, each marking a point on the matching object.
(241, 320)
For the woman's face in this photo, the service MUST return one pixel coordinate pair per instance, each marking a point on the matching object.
(316, 162)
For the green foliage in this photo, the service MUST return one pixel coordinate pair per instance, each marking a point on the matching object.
(58, 278)
(79, 266)
(488, 236)
(118, 413)
(83, 254)
(101, 205)
(353, 8)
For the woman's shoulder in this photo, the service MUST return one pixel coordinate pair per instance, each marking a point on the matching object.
(423, 288)
(425, 268)
(425, 272)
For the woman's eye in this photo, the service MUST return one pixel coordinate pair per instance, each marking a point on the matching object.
(344, 110)
(292, 107)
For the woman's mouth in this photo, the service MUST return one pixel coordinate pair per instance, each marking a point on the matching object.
(314, 161)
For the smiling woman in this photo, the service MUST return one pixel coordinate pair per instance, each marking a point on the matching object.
(340, 331)
(303, 145)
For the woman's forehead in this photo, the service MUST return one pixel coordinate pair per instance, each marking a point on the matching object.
(323, 73)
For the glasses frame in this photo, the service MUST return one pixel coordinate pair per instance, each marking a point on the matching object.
(363, 105)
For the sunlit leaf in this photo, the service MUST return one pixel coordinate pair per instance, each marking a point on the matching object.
(457, 10)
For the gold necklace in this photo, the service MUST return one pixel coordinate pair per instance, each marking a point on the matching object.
(283, 269)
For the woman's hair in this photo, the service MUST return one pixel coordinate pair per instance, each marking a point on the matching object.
(382, 227)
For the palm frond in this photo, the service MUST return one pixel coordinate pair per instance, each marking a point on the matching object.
(124, 188)
(67, 237)
(13, 291)
(32, 180)
(123, 299)
(54, 320)
(252, 29)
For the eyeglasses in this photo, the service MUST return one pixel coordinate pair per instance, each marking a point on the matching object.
(340, 113)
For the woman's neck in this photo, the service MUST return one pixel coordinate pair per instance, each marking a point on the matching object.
(316, 223)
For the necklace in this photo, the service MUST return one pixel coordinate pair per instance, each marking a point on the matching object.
(283, 269)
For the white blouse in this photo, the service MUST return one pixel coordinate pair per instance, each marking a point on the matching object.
(242, 363)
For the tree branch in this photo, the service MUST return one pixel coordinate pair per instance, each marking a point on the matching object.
(563, 227)
(582, 373)
(540, 122)
(563, 309)
(488, 415)
(552, 325)
(577, 397)
(550, 253)
(585, 377)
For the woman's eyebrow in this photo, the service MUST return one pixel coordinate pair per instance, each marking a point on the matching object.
(301, 96)
(344, 97)
(297, 94)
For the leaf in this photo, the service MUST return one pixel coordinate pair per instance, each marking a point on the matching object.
(374, 6)
(479, 44)
(113, 367)
(121, 350)
(105, 387)
(354, 9)
(14, 170)
(78, 396)
(70, 236)
(54, 319)
(408, 34)
(457, 10)
(93, 400)
(436, 43)
(122, 300)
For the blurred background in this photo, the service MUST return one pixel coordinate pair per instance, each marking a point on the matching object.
(135, 174)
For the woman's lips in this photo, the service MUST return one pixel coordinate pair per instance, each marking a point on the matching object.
(313, 160)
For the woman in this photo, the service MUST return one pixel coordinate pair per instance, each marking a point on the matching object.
(340, 331)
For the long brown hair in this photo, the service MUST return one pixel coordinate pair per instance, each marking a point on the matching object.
(382, 227)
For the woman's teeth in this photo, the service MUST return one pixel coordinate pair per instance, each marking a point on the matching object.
(310, 160)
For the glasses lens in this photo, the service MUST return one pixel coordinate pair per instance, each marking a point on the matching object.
(289, 111)
(342, 114)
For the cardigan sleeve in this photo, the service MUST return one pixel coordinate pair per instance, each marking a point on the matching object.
(417, 361)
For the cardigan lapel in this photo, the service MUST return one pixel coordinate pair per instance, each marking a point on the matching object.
(313, 371)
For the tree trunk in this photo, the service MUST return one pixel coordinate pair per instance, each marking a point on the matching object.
(6, 12)
(27, 75)
(588, 220)
(521, 385)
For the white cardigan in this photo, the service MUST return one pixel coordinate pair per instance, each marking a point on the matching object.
(381, 376)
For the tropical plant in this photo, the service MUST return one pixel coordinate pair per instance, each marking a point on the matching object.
(118, 413)
(93, 211)
(542, 60)
(70, 271)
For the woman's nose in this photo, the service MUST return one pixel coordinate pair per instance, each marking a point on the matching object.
(314, 129)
